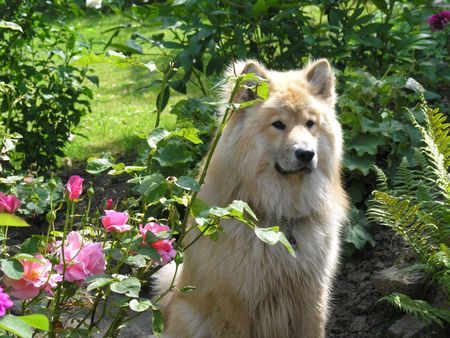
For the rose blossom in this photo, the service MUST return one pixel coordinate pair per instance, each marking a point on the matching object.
(83, 259)
(115, 221)
(9, 203)
(109, 204)
(74, 187)
(5, 302)
(164, 247)
(36, 276)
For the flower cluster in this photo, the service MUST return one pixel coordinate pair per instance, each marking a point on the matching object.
(439, 20)
(9, 203)
(37, 276)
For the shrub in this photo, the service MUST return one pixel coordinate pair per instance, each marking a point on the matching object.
(47, 95)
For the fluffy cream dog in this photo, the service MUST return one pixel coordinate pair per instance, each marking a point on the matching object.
(283, 157)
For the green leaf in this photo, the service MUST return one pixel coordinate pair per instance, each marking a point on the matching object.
(130, 286)
(113, 58)
(12, 268)
(157, 323)
(147, 251)
(16, 326)
(189, 134)
(153, 187)
(97, 165)
(10, 25)
(173, 153)
(157, 135)
(140, 305)
(136, 260)
(361, 163)
(99, 283)
(272, 236)
(12, 220)
(28, 257)
(187, 183)
(38, 321)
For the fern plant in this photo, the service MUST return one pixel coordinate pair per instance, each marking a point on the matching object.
(417, 207)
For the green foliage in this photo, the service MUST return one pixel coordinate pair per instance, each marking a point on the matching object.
(47, 95)
(417, 207)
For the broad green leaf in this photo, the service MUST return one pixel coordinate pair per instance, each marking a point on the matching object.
(38, 321)
(16, 326)
(157, 135)
(153, 187)
(136, 260)
(157, 323)
(140, 305)
(12, 220)
(99, 283)
(110, 58)
(97, 165)
(130, 286)
(198, 206)
(12, 268)
(241, 208)
(10, 25)
(189, 134)
(172, 154)
(187, 183)
(149, 252)
(272, 236)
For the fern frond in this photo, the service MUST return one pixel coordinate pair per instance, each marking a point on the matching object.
(419, 308)
(381, 179)
(403, 215)
(439, 130)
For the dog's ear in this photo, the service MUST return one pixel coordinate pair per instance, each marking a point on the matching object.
(320, 76)
(246, 94)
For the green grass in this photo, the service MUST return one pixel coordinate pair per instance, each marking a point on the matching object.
(121, 109)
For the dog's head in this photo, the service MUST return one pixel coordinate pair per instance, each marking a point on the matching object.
(294, 131)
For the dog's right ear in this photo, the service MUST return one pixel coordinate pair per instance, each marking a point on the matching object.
(244, 93)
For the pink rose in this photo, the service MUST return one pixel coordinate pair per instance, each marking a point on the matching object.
(9, 203)
(36, 276)
(163, 246)
(165, 249)
(153, 227)
(83, 259)
(5, 302)
(115, 221)
(74, 187)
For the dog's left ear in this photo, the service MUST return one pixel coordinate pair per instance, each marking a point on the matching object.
(320, 76)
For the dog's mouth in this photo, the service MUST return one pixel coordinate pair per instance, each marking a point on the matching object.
(292, 172)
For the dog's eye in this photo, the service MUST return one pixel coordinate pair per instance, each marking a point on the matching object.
(279, 125)
(310, 124)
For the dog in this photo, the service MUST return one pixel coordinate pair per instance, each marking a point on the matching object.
(283, 157)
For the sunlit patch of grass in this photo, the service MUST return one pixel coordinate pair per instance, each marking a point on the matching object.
(121, 107)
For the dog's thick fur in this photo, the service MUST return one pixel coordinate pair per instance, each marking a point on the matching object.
(244, 287)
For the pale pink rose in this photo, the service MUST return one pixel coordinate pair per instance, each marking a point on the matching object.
(83, 259)
(36, 276)
(5, 302)
(153, 227)
(115, 221)
(74, 187)
(9, 203)
(165, 249)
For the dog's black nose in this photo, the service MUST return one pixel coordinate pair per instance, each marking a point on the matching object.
(304, 156)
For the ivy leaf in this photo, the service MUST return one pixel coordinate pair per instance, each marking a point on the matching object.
(140, 305)
(130, 286)
(16, 326)
(12, 268)
(272, 236)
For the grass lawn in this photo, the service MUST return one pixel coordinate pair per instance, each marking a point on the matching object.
(121, 109)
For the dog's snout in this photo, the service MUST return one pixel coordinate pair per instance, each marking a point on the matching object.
(304, 156)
